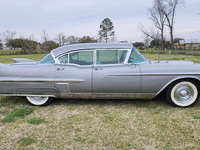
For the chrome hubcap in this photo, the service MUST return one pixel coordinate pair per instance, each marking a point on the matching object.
(183, 93)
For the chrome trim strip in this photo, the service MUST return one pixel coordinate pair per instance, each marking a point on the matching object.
(25, 95)
(70, 80)
(127, 56)
(53, 57)
(170, 74)
(6, 79)
(62, 83)
(156, 74)
(25, 80)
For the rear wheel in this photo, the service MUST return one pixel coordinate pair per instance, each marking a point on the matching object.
(182, 93)
(39, 100)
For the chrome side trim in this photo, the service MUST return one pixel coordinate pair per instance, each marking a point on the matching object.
(69, 80)
(16, 79)
(170, 74)
(25, 95)
(157, 74)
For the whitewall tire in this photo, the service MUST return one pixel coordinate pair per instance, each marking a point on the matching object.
(182, 93)
(39, 100)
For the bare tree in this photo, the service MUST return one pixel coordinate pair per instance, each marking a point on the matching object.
(150, 33)
(61, 38)
(169, 12)
(8, 35)
(158, 18)
(44, 36)
(72, 39)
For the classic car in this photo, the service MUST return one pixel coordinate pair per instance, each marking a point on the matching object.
(90, 70)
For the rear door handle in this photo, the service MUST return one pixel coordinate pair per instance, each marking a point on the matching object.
(60, 68)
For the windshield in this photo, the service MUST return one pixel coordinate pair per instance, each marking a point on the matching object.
(48, 59)
(136, 57)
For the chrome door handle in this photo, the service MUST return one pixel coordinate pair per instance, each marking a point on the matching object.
(60, 68)
(98, 69)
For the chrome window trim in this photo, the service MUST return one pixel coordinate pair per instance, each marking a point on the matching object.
(119, 49)
(94, 57)
(138, 62)
(52, 55)
(71, 64)
(127, 56)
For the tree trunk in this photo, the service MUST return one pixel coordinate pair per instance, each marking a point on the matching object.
(172, 40)
(162, 41)
(106, 37)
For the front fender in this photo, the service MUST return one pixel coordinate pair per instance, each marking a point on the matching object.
(178, 78)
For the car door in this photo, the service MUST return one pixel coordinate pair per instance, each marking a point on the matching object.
(73, 74)
(111, 75)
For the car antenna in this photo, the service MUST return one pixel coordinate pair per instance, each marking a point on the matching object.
(159, 47)
(159, 53)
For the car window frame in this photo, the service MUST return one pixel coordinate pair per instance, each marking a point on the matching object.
(52, 55)
(94, 57)
(136, 62)
(73, 64)
(125, 60)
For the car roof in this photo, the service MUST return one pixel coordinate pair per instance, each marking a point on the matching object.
(67, 48)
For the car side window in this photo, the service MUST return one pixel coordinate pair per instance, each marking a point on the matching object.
(81, 57)
(63, 59)
(110, 56)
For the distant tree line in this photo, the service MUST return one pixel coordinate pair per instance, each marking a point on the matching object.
(156, 43)
(29, 45)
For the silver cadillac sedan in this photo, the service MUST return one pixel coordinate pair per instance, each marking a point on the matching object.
(100, 70)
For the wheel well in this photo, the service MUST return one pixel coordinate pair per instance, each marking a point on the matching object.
(182, 79)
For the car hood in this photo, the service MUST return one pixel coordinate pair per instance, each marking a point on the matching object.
(173, 62)
(173, 67)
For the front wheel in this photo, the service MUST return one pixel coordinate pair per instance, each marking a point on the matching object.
(182, 93)
(39, 100)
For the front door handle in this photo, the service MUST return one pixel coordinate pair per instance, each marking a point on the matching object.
(60, 68)
(98, 69)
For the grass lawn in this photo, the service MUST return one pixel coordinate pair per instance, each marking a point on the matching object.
(98, 123)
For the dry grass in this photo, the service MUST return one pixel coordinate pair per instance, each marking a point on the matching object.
(101, 124)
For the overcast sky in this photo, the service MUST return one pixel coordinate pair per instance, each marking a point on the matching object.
(83, 17)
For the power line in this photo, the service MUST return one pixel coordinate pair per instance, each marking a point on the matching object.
(190, 32)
